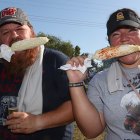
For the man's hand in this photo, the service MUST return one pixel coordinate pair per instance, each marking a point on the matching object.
(22, 122)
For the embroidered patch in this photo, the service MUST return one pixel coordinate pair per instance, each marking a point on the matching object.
(8, 12)
(120, 16)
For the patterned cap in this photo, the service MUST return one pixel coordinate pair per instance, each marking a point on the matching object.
(13, 15)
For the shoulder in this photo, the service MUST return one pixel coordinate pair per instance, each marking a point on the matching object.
(54, 57)
(100, 76)
(55, 53)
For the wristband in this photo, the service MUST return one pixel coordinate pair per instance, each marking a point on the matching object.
(79, 84)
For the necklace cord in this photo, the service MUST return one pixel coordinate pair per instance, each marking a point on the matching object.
(133, 87)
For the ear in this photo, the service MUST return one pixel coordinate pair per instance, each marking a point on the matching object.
(33, 32)
(107, 38)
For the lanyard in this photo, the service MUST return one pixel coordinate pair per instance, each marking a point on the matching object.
(133, 87)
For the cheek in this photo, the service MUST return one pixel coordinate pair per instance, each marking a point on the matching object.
(5, 41)
(131, 58)
(136, 40)
(26, 33)
(114, 43)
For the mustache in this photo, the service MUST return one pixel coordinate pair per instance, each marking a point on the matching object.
(15, 40)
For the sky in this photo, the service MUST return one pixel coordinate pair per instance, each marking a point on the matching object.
(82, 22)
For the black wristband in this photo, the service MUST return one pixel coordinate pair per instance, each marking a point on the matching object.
(79, 84)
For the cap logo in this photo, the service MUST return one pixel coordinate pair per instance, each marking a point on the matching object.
(120, 16)
(8, 12)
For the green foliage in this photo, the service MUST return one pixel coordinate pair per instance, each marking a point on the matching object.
(67, 48)
(77, 51)
(41, 34)
(63, 46)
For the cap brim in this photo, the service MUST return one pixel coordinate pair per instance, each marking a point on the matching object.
(125, 23)
(120, 24)
(129, 23)
(10, 21)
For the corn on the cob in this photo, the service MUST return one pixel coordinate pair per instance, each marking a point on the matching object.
(113, 52)
(29, 43)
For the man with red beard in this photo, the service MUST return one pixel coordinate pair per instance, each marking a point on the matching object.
(32, 82)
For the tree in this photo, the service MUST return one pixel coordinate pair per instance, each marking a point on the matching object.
(57, 44)
(77, 51)
(67, 48)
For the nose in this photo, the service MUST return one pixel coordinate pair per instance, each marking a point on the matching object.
(14, 34)
(124, 38)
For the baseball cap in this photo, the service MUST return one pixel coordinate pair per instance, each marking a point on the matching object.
(122, 17)
(12, 14)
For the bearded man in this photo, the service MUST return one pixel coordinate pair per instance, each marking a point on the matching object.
(32, 82)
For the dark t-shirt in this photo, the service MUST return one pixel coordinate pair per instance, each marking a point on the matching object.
(55, 92)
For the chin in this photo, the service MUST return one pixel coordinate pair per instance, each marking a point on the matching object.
(128, 60)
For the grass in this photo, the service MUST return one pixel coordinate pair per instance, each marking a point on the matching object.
(79, 136)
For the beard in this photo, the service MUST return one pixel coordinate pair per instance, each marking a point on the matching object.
(21, 61)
